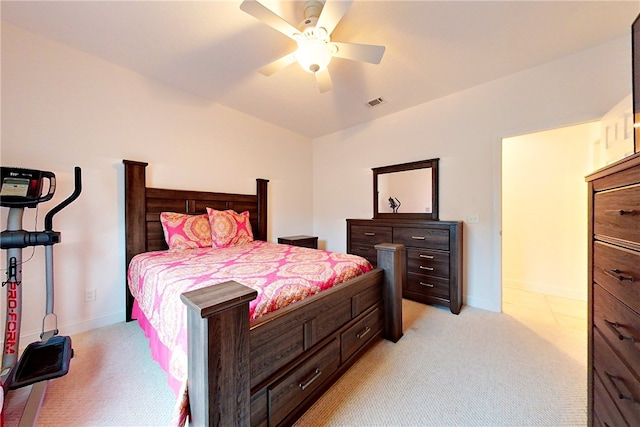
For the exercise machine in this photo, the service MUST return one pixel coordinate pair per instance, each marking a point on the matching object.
(50, 357)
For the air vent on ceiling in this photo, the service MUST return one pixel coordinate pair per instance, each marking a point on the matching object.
(376, 101)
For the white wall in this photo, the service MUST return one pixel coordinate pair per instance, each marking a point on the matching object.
(62, 108)
(616, 140)
(465, 131)
(544, 248)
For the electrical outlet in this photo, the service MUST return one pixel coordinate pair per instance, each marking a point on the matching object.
(473, 219)
(90, 295)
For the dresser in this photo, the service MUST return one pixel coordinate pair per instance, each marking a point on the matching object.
(614, 294)
(433, 272)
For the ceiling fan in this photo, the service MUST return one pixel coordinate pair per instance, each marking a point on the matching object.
(315, 48)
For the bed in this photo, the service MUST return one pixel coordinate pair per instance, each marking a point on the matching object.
(270, 370)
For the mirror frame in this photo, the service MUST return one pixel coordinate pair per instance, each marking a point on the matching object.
(422, 164)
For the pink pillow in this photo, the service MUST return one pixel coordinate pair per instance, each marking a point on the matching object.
(229, 228)
(183, 231)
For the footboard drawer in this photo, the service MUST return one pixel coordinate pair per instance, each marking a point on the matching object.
(360, 333)
(284, 396)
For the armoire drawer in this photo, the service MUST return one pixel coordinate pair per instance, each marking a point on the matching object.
(617, 213)
(359, 334)
(618, 271)
(619, 325)
(427, 285)
(431, 263)
(605, 410)
(286, 394)
(428, 238)
(621, 384)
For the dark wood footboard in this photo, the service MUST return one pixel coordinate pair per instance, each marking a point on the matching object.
(269, 372)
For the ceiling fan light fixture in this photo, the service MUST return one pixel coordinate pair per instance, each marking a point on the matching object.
(313, 55)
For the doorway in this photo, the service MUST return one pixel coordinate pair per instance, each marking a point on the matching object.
(544, 224)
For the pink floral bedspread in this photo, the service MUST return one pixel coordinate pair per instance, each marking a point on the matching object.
(281, 274)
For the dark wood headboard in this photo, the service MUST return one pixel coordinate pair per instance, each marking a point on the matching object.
(143, 205)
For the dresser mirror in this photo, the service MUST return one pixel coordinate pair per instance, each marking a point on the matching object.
(407, 190)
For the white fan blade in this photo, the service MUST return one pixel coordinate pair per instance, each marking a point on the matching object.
(266, 15)
(359, 52)
(332, 13)
(324, 80)
(278, 64)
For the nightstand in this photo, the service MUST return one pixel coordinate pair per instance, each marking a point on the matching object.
(303, 241)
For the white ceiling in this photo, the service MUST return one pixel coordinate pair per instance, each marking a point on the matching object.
(433, 48)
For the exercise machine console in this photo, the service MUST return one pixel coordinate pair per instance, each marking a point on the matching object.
(50, 357)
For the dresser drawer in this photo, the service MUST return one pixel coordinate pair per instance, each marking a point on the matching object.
(285, 395)
(619, 325)
(370, 235)
(429, 238)
(363, 239)
(428, 262)
(606, 411)
(620, 383)
(359, 334)
(617, 213)
(618, 271)
(427, 285)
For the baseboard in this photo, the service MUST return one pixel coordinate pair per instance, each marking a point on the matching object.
(74, 327)
(482, 303)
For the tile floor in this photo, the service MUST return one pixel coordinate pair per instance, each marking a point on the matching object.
(561, 321)
(545, 309)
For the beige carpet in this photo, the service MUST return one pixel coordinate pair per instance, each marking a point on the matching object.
(475, 369)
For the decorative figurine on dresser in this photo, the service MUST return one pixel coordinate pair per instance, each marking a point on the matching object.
(614, 294)
(433, 247)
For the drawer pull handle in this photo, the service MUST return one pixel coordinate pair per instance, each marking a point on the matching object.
(621, 212)
(362, 248)
(363, 333)
(418, 237)
(370, 234)
(614, 327)
(316, 375)
(426, 256)
(424, 267)
(614, 379)
(617, 274)
(428, 285)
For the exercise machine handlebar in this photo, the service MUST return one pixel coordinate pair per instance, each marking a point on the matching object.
(18, 238)
(48, 219)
